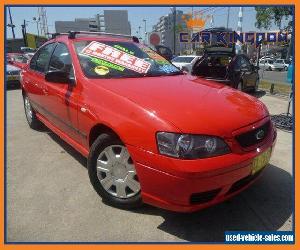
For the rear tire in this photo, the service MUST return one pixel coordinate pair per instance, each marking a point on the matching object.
(114, 177)
(30, 114)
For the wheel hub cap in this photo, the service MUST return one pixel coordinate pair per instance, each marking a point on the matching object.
(28, 109)
(116, 172)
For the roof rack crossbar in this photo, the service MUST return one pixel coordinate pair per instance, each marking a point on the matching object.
(72, 35)
(53, 35)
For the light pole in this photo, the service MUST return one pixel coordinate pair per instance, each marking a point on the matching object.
(140, 32)
(37, 24)
(145, 21)
(174, 34)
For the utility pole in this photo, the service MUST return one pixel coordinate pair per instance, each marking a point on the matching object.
(228, 11)
(11, 24)
(144, 20)
(239, 28)
(174, 21)
(24, 33)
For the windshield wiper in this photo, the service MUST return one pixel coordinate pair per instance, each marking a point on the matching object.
(164, 74)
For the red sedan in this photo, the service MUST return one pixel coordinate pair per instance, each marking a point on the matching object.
(17, 59)
(151, 133)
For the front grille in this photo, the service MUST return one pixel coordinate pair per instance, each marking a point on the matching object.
(254, 137)
(204, 197)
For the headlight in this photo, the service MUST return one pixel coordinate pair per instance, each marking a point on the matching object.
(188, 146)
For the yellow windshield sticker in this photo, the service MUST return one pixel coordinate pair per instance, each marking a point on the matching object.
(101, 70)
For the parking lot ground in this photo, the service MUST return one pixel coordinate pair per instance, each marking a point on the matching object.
(50, 198)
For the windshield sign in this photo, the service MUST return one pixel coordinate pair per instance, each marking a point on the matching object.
(114, 59)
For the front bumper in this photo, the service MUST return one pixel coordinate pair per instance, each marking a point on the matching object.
(277, 67)
(190, 185)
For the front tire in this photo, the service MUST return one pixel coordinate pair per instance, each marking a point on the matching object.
(112, 172)
(30, 114)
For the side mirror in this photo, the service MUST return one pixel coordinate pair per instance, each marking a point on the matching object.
(57, 76)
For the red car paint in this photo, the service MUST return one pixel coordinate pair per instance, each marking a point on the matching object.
(17, 59)
(137, 108)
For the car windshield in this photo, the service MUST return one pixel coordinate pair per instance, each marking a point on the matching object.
(279, 61)
(183, 59)
(118, 59)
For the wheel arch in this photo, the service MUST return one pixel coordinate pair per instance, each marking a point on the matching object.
(99, 129)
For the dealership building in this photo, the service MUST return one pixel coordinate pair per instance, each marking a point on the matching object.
(110, 21)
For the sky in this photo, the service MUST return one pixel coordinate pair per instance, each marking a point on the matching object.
(135, 15)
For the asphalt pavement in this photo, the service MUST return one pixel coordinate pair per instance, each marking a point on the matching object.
(50, 198)
(274, 76)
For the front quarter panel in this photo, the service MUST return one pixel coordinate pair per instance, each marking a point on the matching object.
(134, 125)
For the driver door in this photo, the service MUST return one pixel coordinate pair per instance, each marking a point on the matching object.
(61, 98)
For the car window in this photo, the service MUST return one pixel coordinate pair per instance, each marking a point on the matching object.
(61, 59)
(40, 60)
(116, 59)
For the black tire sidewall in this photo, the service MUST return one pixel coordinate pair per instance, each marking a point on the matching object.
(103, 141)
(34, 123)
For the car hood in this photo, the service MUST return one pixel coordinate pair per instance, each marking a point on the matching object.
(191, 104)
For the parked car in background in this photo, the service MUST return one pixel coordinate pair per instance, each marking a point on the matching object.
(185, 62)
(29, 55)
(28, 50)
(280, 64)
(17, 59)
(266, 64)
(150, 132)
(221, 64)
(12, 76)
(164, 51)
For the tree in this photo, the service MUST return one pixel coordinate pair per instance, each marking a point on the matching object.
(265, 16)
